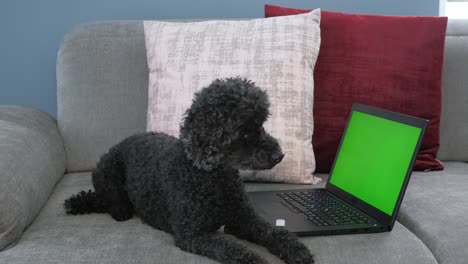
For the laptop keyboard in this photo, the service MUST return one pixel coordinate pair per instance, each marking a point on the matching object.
(323, 209)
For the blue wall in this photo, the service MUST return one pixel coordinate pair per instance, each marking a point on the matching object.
(31, 31)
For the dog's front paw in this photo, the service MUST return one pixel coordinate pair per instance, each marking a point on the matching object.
(299, 257)
(291, 250)
(120, 213)
(251, 258)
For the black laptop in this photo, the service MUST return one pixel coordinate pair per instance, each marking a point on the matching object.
(367, 181)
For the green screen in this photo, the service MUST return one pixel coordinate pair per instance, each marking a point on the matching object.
(374, 158)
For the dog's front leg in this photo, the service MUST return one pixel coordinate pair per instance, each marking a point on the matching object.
(249, 226)
(222, 248)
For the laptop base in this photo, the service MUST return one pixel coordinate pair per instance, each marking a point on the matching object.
(271, 206)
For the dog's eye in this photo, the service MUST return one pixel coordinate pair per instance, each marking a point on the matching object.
(248, 136)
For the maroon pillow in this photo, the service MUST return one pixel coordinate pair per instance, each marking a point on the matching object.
(392, 62)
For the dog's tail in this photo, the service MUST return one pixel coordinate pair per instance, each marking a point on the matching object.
(85, 203)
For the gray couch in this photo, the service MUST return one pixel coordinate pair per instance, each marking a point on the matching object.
(102, 98)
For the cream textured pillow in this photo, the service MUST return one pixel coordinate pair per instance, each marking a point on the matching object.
(278, 54)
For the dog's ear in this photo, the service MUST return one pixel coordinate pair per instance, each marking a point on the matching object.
(216, 115)
(203, 148)
(204, 135)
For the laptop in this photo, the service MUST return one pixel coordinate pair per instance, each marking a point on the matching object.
(367, 181)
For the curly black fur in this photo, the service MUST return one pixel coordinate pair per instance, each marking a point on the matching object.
(85, 203)
(190, 187)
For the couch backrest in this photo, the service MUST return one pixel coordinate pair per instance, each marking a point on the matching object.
(454, 119)
(102, 82)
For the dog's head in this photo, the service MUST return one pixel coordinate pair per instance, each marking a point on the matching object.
(224, 126)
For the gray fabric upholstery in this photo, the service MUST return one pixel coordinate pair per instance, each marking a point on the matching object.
(32, 160)
(457, 27)
(454, 121)
(58, 238)
(435, 208)
(102, 84)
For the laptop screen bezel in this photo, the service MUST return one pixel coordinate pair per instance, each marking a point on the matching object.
(384, 219)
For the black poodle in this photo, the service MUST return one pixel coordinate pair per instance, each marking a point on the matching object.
(190, 187)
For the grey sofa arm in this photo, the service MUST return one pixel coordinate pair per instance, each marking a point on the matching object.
(32, 161)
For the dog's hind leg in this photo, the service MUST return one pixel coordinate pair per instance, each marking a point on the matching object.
(109, 183)
(222, 248)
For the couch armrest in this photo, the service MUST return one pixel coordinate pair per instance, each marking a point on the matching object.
(32, 161)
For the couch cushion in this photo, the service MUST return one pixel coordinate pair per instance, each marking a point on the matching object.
(435, 208)
(58, 238)
(102, 86)
(453, 122)
(32, 161)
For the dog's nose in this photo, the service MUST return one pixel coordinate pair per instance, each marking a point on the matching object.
(277, 157)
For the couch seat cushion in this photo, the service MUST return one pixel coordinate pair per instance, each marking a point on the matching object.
(435, 208)
(58, 238)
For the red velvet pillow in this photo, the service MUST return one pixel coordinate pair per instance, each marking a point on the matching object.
(392, 62)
